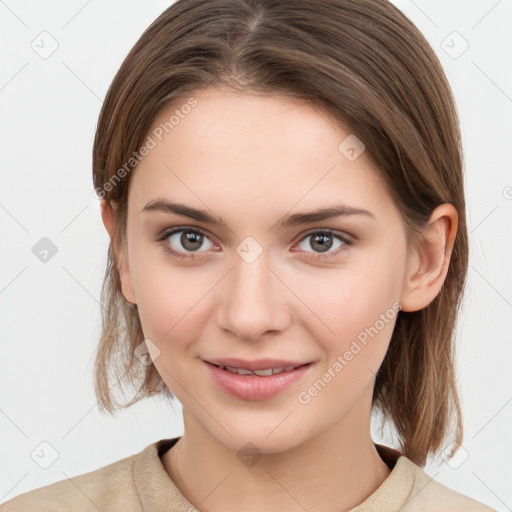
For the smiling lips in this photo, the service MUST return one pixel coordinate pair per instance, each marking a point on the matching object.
(260, 373)
(256, 380)
(260, 364)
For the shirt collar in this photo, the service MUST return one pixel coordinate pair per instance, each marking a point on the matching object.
(158, 492)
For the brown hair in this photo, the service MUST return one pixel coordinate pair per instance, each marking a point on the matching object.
(365, 63)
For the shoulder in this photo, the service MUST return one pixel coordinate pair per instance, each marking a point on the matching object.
(107, 488)
(428, 494)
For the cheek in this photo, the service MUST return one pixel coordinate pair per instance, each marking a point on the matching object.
(362, 315)
(167, 307)
(356, 309)
(170, 303)
(172, 306)
(170, 320)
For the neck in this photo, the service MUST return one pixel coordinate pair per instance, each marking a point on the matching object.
(332, 472)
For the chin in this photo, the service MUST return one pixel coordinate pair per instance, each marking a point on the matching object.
(258, 441)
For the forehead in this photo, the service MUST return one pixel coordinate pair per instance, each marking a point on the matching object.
(252, 151)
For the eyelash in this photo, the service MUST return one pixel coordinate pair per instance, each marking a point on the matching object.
(197, 231)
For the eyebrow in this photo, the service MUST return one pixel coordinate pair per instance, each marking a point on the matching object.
(295, 219)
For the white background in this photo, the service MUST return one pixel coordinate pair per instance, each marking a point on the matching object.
(49, 312)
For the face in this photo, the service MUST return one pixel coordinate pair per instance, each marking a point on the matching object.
(324, 292)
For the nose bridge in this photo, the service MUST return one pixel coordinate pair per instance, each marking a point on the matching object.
(251, 280)
(251, 305)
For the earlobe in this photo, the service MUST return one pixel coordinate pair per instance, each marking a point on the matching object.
(429, 261)
(108, 217)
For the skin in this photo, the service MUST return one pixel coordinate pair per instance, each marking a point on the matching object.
(253, 160)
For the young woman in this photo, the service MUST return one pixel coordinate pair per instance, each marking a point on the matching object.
(282, 184)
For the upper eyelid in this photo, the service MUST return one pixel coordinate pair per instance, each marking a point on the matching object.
(166, 233)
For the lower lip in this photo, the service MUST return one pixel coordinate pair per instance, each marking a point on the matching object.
(252, 387)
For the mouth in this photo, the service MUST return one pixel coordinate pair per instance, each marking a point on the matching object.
(265, 372)
(262, 367)
(257, 384)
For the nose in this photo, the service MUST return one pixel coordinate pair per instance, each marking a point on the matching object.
(254, 300)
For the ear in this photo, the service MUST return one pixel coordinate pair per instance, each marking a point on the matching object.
(429, 261)
(108, 215)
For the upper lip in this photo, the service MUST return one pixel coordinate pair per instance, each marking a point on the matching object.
(259, 364)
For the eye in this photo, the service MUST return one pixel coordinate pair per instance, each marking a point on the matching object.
(324, 240)
(189, 238)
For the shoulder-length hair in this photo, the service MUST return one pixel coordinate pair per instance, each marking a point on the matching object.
(363, 62)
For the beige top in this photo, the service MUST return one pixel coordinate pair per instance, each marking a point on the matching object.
(140, 483)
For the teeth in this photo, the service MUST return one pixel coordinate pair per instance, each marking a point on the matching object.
(264, 373)
(260, 373)
(237, 370)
